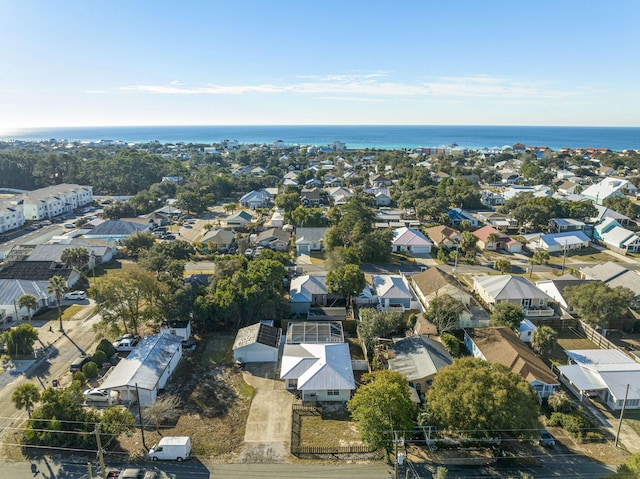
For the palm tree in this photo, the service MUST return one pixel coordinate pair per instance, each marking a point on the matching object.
(539, 257)
(25, 396)
(28, 301)
(492, 238)
(58, 286)
(75, 257)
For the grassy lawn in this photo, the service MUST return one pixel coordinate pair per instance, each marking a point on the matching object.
(317, 257)
(568, 340)
(68, 312)
(355, 348)
(334, 428)
(590, 255)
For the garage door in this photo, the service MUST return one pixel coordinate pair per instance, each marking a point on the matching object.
(303, 248)
(260, 356)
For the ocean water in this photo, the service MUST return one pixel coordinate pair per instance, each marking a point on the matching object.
(354, 136)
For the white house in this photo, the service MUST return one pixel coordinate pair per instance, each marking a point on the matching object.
(526, 330)
(321, 372)
(147, 369)
(257, 343)
(393, 292)
(55, 200)
(566, 241)
(11, 216)
(411, 241)
(607, 188)
(10, 292)
(513, 289)
(604, 373)
(309, 239)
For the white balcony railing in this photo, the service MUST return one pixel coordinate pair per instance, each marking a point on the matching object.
(538, 312)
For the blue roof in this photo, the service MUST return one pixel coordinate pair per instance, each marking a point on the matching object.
(567, 237)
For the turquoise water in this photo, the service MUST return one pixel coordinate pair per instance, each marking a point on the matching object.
(384, 137)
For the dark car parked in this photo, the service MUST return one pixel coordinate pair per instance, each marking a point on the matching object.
(77, 364)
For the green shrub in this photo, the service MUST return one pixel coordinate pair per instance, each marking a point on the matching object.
(451, 344)
(411, 321)
(80, 377)
(560, 402)
(100, 357)
(90, 370)
(107, 347)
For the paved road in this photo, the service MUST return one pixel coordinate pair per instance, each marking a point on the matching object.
(77, 338)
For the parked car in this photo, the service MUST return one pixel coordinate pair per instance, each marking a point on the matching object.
(134, 473)
(546, 439)
(69, 225)
(77, 364)
(76, 295)
(248, 252)
(125, 345)
(168, 237)
(171, 448)
(100, 395)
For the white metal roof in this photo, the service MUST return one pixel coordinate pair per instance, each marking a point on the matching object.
(145, 364)
(318, 366)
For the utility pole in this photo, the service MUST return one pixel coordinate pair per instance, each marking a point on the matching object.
(624, 404)
(140, 416)
(100, 455)
(395, 461)
(564, 256)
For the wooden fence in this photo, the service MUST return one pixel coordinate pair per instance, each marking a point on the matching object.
(300, 410)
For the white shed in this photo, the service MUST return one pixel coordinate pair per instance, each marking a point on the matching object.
(257, 343)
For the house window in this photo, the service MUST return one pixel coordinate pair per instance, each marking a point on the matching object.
(526, 302)
(541, 302)
(333, 392)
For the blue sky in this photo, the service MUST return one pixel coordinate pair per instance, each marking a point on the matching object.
(542, 62)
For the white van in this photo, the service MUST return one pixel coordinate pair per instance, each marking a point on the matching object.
(171, 448)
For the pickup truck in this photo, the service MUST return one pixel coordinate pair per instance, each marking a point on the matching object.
(125, 345)
(132, 473)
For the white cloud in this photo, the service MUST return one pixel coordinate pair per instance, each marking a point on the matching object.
(372, 86)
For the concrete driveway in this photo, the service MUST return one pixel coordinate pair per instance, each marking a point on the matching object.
(267, 435)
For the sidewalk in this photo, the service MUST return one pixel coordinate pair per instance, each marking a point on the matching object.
(629, 439)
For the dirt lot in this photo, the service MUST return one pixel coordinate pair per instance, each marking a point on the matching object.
(215, 401)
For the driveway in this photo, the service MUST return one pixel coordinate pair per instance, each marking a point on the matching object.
(267, 435)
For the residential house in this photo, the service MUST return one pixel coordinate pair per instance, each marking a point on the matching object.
(309, 239)
(380, 181)
(339, 195)
(257, 343)
(613, 236)
(562, 225)
(607, 374)
(411, 241)
(255, 199)
(560, 242)
(503, 346)
(381, 196)
(39, 271)
(116, 229)
(500, 221)
(418, 358)
(277, 219)
(538, 191)
(458, 215)
(98, 253)
(311, 197)
(146, 370)
(513, 289)
(607, 213)
(491, 198)
(501, 240)
(10, 292)
(607, 188)
(218, 240)
(613, 274)
(444, 236)
(605, 171)
(316, 362)
(555, 289)
(393, 292)
(307, 291)
(238, 220)
(434, 283)
(274, 238)
(569, 188)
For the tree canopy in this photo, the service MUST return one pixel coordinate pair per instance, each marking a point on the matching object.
(444, 312)
(474, 398)
(507, 314)
(377, 324)
(597, 303)
(347, 280)
(381, 407)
